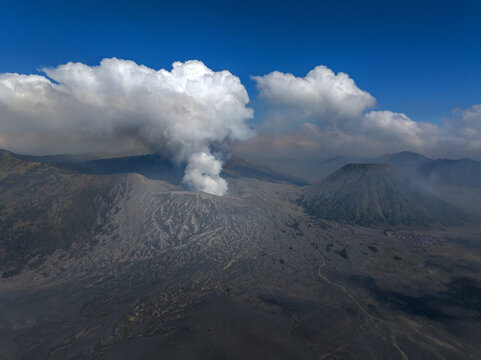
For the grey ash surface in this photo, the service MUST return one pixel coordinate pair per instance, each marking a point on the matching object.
(168, 273)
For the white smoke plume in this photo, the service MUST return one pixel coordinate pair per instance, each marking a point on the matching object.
(179, 113)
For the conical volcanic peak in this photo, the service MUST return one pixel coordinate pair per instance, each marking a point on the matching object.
(363, 169)
(375, 194)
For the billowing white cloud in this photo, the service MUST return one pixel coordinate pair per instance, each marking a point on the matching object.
(321, 93)
(470, 119)
(118, 104)
(325, 114)
(389, 126)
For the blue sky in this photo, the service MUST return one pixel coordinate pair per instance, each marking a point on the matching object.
(422, 58)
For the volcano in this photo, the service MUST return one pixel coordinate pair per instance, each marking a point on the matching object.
(115, 259)
(375, 194)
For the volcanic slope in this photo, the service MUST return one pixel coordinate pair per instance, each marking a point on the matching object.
(45, 207)
(375, 194)
(187, 275)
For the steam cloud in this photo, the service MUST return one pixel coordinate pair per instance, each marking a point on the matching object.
(185, 112)
(180, 113)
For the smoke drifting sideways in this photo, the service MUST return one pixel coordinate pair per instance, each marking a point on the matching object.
(179, 114)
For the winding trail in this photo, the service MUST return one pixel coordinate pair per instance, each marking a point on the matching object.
(370, 317)
(395, 344)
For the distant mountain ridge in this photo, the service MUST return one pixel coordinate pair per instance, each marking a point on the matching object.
(417, 167)
(372, 195)
(153, 166)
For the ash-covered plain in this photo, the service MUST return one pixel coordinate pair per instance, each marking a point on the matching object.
(101, 262)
